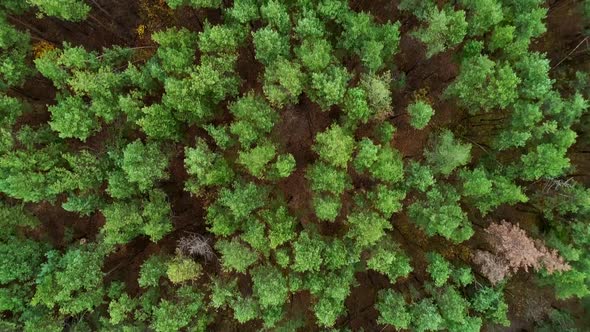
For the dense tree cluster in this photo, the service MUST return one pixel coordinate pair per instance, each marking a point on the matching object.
(207, 112)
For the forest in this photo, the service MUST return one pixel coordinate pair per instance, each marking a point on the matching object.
(294, 165)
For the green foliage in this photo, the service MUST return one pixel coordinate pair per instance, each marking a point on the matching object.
(235, 256)
(308, 250)
(326, 206)
(438, 268)
(256, 160)
(388, 259)
(102, 156)
(329, 86)
(144, 164)
(183, 269)
(126, 220)
(483, 15)
(490, 302)
(488, 191)
(14, 49)
(326, 178)
(72, 282)
(441, 214)
(72, 118)
(270, 45)
(276, 15)
(425, 316)
(269, 286)
(281, 226)
(69, 10)
(19, 258)
(447, 153)
(367, 228)
(219, 38)
(151, 271)
(185, 309)
(420, 114)
(387, 200)
(334, 146)
(158, 122)
(419, 176)
(374, 44)
(253, 118)
(283, 82)
(315, 54)
(392, 309)
(207, 168)
(194, 3)
(388, 166)
(483, 85)
(446, 28)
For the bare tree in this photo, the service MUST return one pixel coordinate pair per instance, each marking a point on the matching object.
(196, 244)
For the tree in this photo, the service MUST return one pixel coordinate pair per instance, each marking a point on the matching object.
(388, 166)
(235, 256)
(307, 251)
(269, 286)
(326, 206)
(446, 28)
(183, 269)
(207, 168)
(419, 176)
(392, 309)
(446, 153)
(483, 85)
(487, 191)
(315, 54)
(276, 15)
(281, 226)
(513, 250)
(482, 15)
(390, 260)
(438, 268)
(387, 200)
(158, 122)
(441, 214)
(324, 178)
(144, 164)
(253, 118)
(490, 302)
(72, 118)
(425, 316)
(329, 86)
(151, 271)
(219, 38)
(186, 308)
(366, 228)
(270, 45)
(420, 114)
(69, 10)
(194, 3)
(378, 90)
(176, 51)
(334, 146)
(546, 160)
(14, 50)
(257, 159)
(72, 281)
(283, 82)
